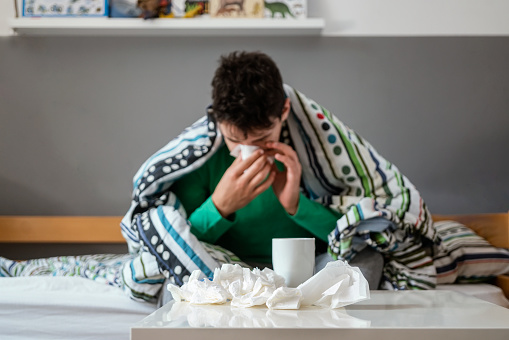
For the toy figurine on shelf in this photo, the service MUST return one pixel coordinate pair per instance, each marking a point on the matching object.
(284, 9)
(186, 9)
(153, 8)
(195, 8)
(172, 8)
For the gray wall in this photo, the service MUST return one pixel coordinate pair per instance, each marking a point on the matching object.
(78, 115)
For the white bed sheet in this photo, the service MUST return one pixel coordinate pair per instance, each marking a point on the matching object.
(42, 307)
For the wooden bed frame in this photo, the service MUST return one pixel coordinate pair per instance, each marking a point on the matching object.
(106, 229)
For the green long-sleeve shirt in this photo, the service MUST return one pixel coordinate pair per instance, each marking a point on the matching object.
(249, 234)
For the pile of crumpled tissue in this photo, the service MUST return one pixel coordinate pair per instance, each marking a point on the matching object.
(337, 285)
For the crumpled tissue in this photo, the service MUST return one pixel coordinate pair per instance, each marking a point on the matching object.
(242, 286)
(199, 291)
(285, 298)
(337, 285)
(243, 150)
(247, 150)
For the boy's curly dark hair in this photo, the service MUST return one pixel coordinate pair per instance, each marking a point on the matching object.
(247, 91)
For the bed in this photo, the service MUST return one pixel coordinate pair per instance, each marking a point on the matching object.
(72, 307)
(41, 307)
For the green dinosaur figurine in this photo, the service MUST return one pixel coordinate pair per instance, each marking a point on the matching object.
(278, 7)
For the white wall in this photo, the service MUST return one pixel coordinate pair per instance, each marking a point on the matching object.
(6, 11)
(78, 116)
(412, 17)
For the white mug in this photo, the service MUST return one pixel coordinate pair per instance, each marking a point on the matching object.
(293, 259)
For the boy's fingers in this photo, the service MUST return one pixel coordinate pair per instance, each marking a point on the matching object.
(261, 175)
(243, 164)
(281, 147)
(265, 185)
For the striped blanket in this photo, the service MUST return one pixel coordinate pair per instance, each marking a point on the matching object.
(104, 268)
(340, 170)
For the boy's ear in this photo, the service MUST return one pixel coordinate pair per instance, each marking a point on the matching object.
(286, 110)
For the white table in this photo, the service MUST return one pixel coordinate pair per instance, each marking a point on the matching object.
(408, 315)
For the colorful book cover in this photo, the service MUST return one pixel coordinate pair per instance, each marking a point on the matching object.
(236, 8)
(64, 8)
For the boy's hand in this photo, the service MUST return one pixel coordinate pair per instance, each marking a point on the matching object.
(240, 183)
(286, 185)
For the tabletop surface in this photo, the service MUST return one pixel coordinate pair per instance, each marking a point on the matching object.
(385, 309)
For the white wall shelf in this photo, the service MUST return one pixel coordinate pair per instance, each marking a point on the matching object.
(331, 18)
(165, 27)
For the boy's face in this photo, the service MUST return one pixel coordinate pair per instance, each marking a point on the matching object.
(234, 136)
